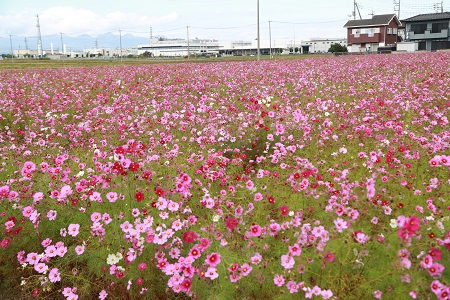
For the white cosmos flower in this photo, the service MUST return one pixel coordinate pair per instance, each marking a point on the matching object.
(393, 223)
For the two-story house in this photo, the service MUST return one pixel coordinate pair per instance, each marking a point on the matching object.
(429, 31)
(369, 34)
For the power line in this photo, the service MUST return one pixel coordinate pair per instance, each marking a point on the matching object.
(305, 23)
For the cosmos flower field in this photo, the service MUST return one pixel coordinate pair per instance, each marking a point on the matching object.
(322, 178)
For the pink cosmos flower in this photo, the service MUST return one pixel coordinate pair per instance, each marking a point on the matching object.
(436, 269)
(112, 196)
(436, 254)
(73, 229)
(295, 250)
(40, 268)
(250, 185)
(245, 269)
(329, 257)
(102, 295)
(340, 224)
(186, 285)
(213, 259)
(234, 277)
(377, 294)
(33, 258)
(284, 210)
(61, 251)
(50, 251)
(96, 216)
(54, 275)
(405, 263)
(287, 261)
(255, 230)
(79, 249)
(292, 287)
(412, 225)
(211, 273)
(326, 294)
(256, 259)
(278, 280)
(258, 197)
(95, 197)
(195, 253)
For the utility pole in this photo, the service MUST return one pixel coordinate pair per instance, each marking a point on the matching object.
(188, 50)
(270, 40)
(12, 53)
(359, 13)
(293, 48)
(397, 8)
(26, 46)
(120, 41)
(151, 35)
(39, 50)
(259, 44)
(437, 5)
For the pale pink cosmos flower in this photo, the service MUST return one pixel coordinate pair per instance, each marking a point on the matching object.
(292, 287)
(256, 259)
(377, 294)
(112, 196)
(249, 185)
(61, 251)
(211, 273)
(73, 229)
(50, 251)
(258, 197)
(102, 295)
(245, 269)
(40, 268)
(79, 249)
(287, 261)
(278, 280)
(33, 258)
(96, 217)
(326, 294)
(95, 197)
(54, 275)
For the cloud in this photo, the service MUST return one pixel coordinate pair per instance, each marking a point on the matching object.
(77, 21)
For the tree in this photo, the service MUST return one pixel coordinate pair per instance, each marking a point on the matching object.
(337, 48)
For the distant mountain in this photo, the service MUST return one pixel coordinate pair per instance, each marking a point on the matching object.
(107, 40)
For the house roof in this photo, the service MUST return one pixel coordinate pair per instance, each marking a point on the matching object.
(376, 20)
(429, 17)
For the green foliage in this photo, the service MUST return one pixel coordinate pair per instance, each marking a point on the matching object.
(336, 47)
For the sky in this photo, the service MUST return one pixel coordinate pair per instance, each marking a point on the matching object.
(231, 20)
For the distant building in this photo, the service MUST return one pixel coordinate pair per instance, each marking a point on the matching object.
(428, 31)
(179, 47)
(370, 34)
(321, 45)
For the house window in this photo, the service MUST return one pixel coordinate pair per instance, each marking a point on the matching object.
(389, 31)
(395, 30)
(437, 27)
(418, 28)
(357, 33)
